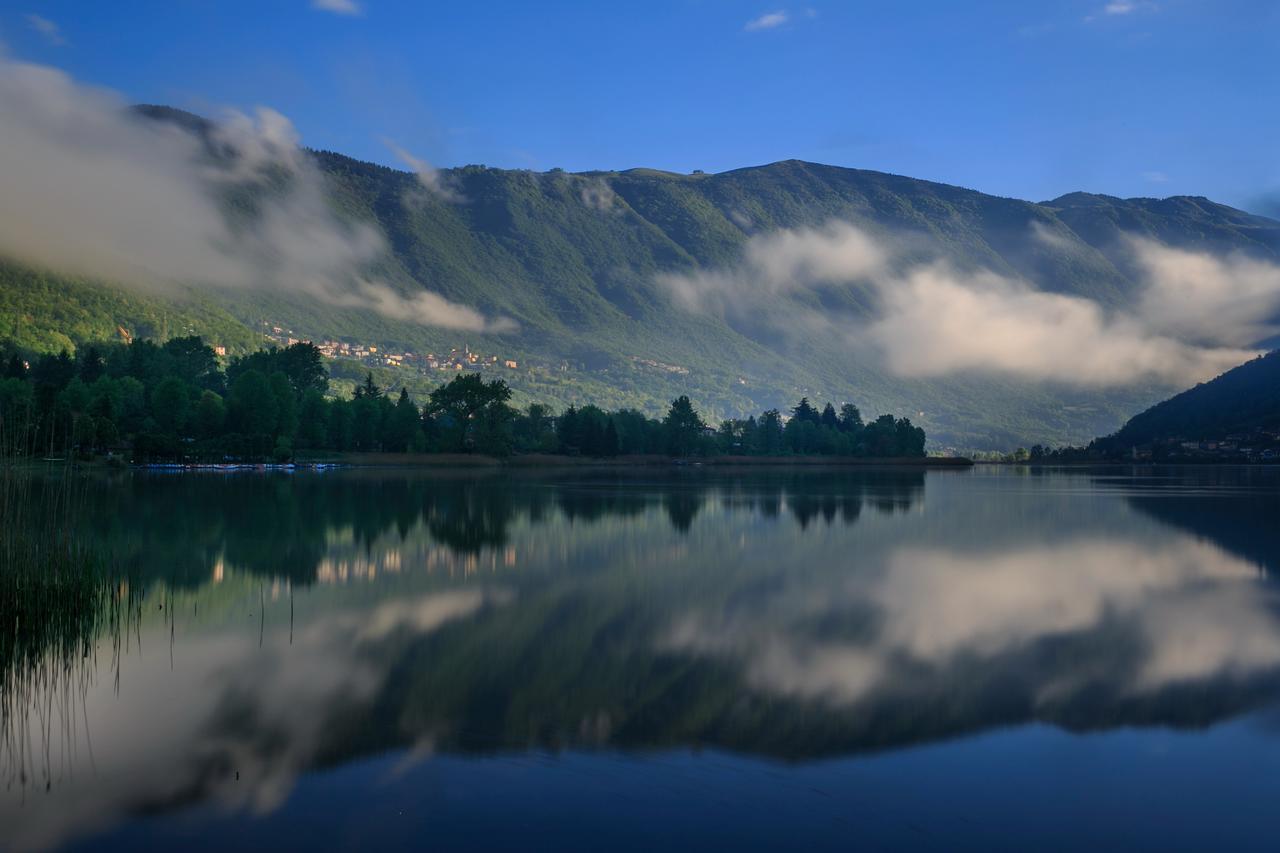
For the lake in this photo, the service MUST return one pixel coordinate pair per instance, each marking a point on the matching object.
(995, 658)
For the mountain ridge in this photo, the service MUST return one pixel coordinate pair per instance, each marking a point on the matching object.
(575, 259)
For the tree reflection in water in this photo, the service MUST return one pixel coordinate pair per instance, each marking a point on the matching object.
(791, 613)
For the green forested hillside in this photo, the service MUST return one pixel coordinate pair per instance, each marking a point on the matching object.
(43, 312)
(574, 257)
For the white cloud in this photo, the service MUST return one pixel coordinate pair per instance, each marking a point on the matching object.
(1120, 8)
(937, 322)
(47, 28)
(88, 187)
(598, 195)
(338, 7)
(778, 263)
(429, 177)
(1208, 300)
(1196, 316)
(767, 21)
(423, 306)
(1155, 177)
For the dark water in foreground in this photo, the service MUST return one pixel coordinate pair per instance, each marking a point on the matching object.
(987, 659)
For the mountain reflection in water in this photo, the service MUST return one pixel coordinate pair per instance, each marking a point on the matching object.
(292, 623)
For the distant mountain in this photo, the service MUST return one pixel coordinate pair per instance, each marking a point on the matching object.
(574, 259)
(1241, 401)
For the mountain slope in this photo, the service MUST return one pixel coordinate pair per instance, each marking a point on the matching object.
(575, 258)
(1241, 400)
(582, 280)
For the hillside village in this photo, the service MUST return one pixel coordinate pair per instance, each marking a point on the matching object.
(1257, 445)
(374, 355)
(426, 364)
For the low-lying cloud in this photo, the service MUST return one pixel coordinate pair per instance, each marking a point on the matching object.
(88, 187)
(429, 177)
(1197, 314)
(598, 195)
(780, 263)
(936, 322)
(1208, 300)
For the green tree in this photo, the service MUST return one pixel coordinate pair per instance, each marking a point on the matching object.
(92, 364)
(464, 399)
(880, 437)
(106, 433)
(252, 404)
(106, 398)
(17, 416)
(366, 422)
(286, 406)
(638, 434)
(75, 397)
(301, 362)
(74, 416)
(368, 389)
(194, 362)
(771, 439)
(535, 429)
(850, 418)
(304, 365)
(683, 427)
(910, 439)
(611, 444)
(15, 367)
(569, 431)
(805, 412)
(404, 424)
(209, 416)
(133, 403)
(50, 375)
(729, 436)
(592, 437)
(170, 401)
(341, 425)
(801, 435)
(313, 421)
(750, 436)
(493, 432)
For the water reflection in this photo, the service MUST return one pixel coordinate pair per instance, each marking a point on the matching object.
(1235, 507)
(179, 529)
(294, 624)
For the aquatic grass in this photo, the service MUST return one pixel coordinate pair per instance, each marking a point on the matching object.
(58, 599)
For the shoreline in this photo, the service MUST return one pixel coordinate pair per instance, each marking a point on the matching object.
(546, 461)
(532, 461)
(549, 460)
(1128, 463)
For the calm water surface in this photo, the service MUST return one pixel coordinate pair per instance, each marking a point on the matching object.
(880, 659)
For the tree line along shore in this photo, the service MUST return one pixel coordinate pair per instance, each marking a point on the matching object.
(174, 402)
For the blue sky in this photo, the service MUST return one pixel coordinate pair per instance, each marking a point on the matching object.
(1027, 99)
